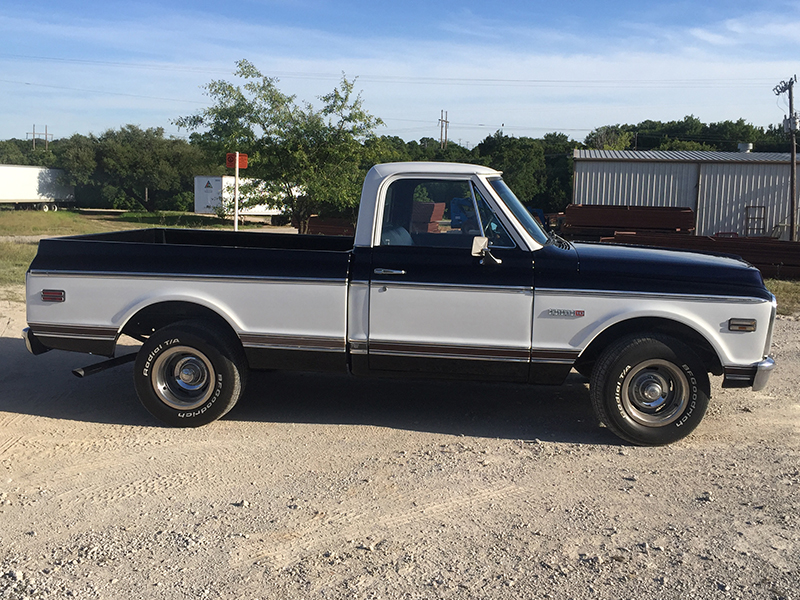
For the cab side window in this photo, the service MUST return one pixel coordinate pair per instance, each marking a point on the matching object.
(434, 213)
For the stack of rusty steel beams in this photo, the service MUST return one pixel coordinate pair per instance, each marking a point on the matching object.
(592, 222)
(775, 258)
(320, 226)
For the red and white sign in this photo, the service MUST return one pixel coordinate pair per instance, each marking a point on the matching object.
(230, 160)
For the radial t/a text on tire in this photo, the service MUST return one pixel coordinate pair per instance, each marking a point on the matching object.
(190, 373)
(650, 389)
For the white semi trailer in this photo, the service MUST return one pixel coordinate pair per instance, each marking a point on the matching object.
(34, 187)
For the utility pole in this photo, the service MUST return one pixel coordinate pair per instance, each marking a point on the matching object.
(443, 125)
(790, 126)
(45, 136)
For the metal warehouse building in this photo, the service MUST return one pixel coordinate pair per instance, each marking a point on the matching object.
(730, 192)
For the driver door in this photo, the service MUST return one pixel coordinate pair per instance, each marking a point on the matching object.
(434, 307)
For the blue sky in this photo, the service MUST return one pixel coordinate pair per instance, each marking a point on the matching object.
(527, 68)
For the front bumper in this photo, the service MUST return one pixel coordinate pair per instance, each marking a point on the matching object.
(755, 376)
(763, 371)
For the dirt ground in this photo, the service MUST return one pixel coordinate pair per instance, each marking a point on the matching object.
(323, 486)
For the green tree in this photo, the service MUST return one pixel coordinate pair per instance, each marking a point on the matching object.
(558, 150)
(609, 137)
(78, 156)
(669, 144)
(388, 149)
(11, 153)
(131, 168)
(312, 160)
(22, 152)
(520, 159)
(692, 134)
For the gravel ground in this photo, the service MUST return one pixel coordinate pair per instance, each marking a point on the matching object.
(322, 486)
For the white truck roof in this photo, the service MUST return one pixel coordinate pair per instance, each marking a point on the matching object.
(431, 168)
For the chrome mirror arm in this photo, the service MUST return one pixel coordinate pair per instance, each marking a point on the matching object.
(480, 247)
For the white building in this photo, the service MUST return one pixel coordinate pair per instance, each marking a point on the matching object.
(730, 192)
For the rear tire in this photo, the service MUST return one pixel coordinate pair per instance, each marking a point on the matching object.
(190, 373)
(650, 389)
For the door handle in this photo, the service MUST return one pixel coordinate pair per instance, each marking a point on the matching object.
(389, 272)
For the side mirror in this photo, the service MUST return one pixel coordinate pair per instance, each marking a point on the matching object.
(480, 247)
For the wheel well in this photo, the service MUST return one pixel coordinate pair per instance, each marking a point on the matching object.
(699, 344)
(156, 316)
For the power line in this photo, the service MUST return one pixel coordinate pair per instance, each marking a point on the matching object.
(427, 80)
(71, 89)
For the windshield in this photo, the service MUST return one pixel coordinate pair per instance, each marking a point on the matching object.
(527, 220)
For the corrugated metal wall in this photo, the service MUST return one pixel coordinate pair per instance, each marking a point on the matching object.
(636, 183)
(725, 190)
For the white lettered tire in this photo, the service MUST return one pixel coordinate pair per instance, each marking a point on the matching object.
(190, 373)
(650, 389)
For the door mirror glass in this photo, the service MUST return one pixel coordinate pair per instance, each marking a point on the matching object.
(479, 245)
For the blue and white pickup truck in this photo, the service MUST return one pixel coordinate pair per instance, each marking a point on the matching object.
(448, 276)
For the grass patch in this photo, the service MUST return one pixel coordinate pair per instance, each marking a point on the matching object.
(67, 222)
(787, 293)
(14, 261)
(63, 222)
(174, 219)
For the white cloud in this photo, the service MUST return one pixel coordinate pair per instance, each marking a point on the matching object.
(487, 73)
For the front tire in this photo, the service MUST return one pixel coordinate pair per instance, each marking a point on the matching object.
(190, 373)
(650, 390)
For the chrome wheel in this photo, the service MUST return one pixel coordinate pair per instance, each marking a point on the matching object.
(183, 377)
(655, 393)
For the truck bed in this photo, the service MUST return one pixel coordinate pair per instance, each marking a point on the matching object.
(197, 252)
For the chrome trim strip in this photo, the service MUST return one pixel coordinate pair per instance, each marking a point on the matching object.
(453, 287)
(84, 332)
(649, 296)
(505, 354)
(190, 277)
(421, 350)
(557, 357)
(292, 342)
(444, 356)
